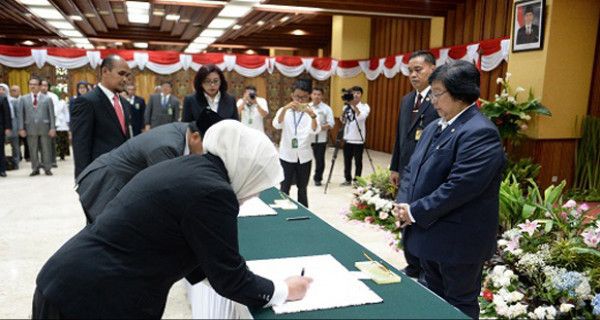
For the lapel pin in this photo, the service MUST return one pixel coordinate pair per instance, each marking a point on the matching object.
(452, 130)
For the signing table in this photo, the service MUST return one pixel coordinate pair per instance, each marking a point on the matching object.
(269, 237)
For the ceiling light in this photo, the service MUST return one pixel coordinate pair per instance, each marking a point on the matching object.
(290, 9)
(184, 20)
(192, 51)
(101, 47)
(284, 19)
(35, 2)
(234, 11)
(85, 46)
(172, 17)
(140, 45)
(46, 13)
(212, 33)
(298, 32)
(76, 18)
(199, 46)
(205, 40)
(61, 24)
(250, 51)
(28, 43)
(137, 5)
(260, 23)
(103, 12)
(236, 27)
(71, 33)
(138, 18)
(80, 40)
(118, 43)
(90, 15)
(221, 23)
(138, 12)
(118, 10)
(158, 12)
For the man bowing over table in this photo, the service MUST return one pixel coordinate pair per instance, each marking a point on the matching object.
(448, 196)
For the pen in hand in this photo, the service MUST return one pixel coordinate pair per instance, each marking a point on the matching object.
(302, 273)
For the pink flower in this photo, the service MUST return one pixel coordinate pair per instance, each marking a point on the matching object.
(529, 227)
(591, 238)
(570, 204)
(564, 215)
(383, 215)
(369, 219)
(397, 223)
(584, 207)
(513, 244)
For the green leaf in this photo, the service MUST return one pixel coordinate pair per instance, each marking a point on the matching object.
(587, 251)
(528, 211)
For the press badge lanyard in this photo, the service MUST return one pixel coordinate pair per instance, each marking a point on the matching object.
(296, 124)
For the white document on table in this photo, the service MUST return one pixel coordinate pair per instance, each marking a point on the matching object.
(255, 207)
(333, 285)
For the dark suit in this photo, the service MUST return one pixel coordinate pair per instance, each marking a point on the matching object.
(172, 219)
(405, 144)
(100, 182)
(193, 105)
(5, 123)
(95, 127)
(452, 186)
(137, 109)
(157, 113)
(523, 37)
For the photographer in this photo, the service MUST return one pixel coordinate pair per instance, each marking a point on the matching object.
(253, 109)
(298, 123)
(319, 144)
(354, 117)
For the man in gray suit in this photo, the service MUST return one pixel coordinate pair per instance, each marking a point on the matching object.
(162, 108)
(100, 182)
(36, 122)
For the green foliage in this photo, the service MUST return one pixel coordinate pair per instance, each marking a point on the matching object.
(380, 179)
(584, 195)
(524, 169)
(509, 115)
(587, 160)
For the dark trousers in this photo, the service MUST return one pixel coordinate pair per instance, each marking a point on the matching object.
(355, 151)
(2, 155)
(298, 172)
(413, 269)
(23, 142)
(458, 284)
(319, 154)
(62, 144)
(42, 308)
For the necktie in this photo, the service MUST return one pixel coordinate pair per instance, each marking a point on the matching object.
(35, 101)
(164, 101)
(415, 110)
(119, 111)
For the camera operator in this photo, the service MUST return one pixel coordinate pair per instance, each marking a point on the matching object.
(319, 144)
(253, 109)
(298, 123)
(354, 116)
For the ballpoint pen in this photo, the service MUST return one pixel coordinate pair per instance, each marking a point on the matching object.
(378, 263)
(302, 272)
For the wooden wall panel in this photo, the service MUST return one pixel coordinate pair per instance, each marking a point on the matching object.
(391, 36)
(594, 100)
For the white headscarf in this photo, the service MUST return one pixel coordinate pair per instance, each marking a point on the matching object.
(6, 89)
(251, 160)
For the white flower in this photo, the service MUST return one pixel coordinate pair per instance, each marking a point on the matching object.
(540, 312)
(508, 75)
(516, 296)
(511, 99)
(519, 90)
(383, 215)
(517, 310)
(502, 242)
(566, 307)
(583, 290)
(499, 80)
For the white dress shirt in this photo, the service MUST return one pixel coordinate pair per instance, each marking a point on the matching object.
(295, 125)
(62, 115)
(109, 94)
(325, 117)
(423, 95)
(55, 100)
(351, 133)
(250, 115)
(213, 103)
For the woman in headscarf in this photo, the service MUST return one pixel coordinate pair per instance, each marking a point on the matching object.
(82, 88)
(211, 92)
(175, 219)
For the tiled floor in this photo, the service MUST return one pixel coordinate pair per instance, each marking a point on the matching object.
(38, 214)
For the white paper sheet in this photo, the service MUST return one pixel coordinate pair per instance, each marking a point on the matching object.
(333, 285)
(254, 207)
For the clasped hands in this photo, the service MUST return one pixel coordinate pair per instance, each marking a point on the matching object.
(400, 211)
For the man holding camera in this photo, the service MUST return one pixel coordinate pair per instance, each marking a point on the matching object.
(354, 119)
(298, 123)
(253, 109)
(319, 144)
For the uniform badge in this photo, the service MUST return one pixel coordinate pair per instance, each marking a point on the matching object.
(418, 134)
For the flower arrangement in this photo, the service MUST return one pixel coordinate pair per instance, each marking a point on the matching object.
(547, 267)
(511, 116)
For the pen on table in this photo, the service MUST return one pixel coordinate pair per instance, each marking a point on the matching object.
(377, 263)
(302, 272)
(297, 218)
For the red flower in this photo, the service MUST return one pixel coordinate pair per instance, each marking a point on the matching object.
(488, 295)
(361, 206)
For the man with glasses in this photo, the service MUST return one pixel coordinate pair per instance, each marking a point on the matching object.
(162, 108)
(299, 124)
(416, 112)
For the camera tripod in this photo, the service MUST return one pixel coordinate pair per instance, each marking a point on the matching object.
(348, 112)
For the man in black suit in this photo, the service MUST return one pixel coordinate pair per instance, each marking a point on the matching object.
(99, 122)
(100, 182)
(137, 107)
(175, 219)
(529, 33)
(5, 130)
(416, 112)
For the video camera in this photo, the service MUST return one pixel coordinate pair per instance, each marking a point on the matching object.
(347, 95)
(252, 95)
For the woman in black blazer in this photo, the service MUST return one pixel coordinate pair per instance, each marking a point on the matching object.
(211, 92)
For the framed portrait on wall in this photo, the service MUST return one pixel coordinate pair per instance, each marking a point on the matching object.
(528, 25)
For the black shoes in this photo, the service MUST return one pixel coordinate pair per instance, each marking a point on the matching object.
(34, 173)
(318, 183)
(48, 172)
(3, 174)
(411, 272)
(346, 183)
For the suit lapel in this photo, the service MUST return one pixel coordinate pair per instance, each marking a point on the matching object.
(424, 106)
(222, 112)
(110, 109)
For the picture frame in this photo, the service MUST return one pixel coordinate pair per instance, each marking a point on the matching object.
(528, 25)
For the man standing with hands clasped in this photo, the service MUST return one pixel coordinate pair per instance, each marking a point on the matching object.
(416, 112)
(298, 123)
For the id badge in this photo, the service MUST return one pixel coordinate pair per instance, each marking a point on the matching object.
(418, 134)
(137, 106)
(295, 143)
(170, 111)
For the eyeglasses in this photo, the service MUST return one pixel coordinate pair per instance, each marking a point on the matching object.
(300, 98)
(215, 82)
(435, 96)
